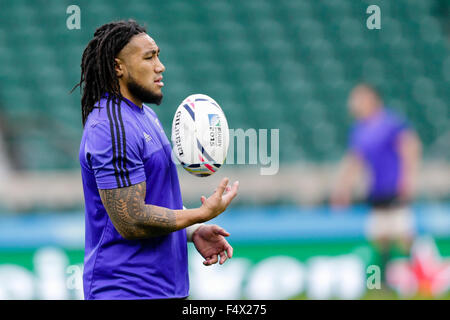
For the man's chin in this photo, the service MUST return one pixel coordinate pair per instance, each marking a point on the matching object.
(157, 99)
(153, 99)
(145, 95)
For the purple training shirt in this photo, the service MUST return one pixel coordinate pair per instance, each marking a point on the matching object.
(376, 141)
(122, 146)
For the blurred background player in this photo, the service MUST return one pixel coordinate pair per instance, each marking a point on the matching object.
(384, 145)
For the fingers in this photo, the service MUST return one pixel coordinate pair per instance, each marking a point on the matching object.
(229, 255)
(232, 193)
(229, 250)
(203, 199)
(223, 258)
(211, 260)
(220, 231)
(225, 191)
(222, 186)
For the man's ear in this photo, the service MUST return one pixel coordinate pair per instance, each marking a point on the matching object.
(118, 67)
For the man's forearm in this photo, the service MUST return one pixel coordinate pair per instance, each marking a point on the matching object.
(410, 156)
(190, 230)
(155, 221)
(348, 172)
(134, 219)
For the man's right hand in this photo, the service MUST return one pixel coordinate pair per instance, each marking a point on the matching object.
(219, 200)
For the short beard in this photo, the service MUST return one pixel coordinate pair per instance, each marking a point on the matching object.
(143, 94)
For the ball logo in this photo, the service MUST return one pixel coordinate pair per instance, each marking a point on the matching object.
(176, 131)
(215, 131)
(214, 120)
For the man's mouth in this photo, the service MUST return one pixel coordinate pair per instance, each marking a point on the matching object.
(159, 82)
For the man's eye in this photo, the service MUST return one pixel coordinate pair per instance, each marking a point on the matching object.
(149, 58)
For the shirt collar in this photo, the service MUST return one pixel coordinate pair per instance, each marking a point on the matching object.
(133, 106)
(128, 102)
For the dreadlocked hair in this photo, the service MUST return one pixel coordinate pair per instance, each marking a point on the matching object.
(98, 75)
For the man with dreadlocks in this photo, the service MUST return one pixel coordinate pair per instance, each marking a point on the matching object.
(136, 228)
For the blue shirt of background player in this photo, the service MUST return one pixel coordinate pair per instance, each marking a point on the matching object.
(375, 140)
(121, 146)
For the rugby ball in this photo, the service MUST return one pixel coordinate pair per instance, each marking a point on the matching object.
(200, 135)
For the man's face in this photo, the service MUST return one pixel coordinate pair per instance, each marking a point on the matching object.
(362, 103)
(139, 69)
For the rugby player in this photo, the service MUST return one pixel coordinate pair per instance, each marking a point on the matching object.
(136, 230)
(387, 147)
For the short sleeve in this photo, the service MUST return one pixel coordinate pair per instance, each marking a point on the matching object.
(114, 155)
(399, 125)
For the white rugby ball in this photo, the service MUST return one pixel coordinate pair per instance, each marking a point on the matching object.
(200, 135)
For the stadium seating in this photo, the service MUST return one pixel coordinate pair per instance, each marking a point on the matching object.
(283, 64)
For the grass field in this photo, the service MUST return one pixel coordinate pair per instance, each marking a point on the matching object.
(386, 295)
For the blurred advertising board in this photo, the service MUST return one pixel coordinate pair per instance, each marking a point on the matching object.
(279, 253)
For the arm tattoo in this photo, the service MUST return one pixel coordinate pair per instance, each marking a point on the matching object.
(132, 218)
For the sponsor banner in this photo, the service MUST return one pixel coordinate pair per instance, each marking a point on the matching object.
(321, 270)
(279, 253)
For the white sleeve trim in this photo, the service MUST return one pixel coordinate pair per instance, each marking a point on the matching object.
(191, 229)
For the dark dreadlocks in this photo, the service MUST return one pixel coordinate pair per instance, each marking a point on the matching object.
(98, 74)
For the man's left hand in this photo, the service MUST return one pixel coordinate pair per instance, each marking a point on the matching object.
(209, 240)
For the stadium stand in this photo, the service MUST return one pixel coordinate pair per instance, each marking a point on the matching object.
(270, 64)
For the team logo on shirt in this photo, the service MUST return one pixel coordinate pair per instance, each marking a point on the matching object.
(147, 137)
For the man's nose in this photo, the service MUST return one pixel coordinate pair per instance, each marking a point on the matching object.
(160, 68)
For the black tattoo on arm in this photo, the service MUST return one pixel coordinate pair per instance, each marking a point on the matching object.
(132, 218)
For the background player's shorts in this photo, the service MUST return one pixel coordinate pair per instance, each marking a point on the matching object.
(392, 223)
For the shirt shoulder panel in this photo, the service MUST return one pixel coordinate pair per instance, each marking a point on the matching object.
(114, 149)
